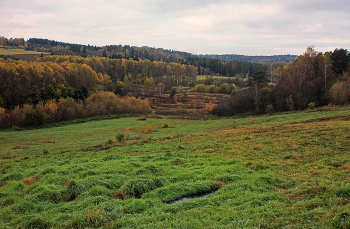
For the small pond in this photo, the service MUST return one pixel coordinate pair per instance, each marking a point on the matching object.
(191, 197)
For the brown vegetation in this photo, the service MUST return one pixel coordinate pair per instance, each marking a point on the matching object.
(196, 106)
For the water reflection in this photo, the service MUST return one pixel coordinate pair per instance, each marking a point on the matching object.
(191, 197)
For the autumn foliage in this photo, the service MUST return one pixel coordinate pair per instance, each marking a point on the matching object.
(101, 103)
(315, 79)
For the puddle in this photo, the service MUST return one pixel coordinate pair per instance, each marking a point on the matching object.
(191, 197)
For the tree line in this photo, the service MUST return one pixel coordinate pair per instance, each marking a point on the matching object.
(252, 59)
(205, 66)
(12, 42)
(53, 77)
(97, 104)
(314, 79)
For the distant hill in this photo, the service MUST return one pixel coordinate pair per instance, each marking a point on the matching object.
(252, 59)
(206, 65)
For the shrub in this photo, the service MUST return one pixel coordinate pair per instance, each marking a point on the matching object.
(173, 91)
(35, 118)
(311, 105)
(213, 89)
(269, 109)
(3, 118)
(68, 109)
(339, 93)
(120, 137)
(241, 102)
(149, 129)
(16, 128)
(17, 115)
(183, 97)
(200, 88)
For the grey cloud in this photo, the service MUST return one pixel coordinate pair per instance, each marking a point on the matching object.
(25, 6)
(200, 26)
(320, 5)
(166, 6)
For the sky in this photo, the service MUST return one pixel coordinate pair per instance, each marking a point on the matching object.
(256, 27)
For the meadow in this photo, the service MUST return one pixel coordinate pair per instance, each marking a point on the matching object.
(288, 170)
(17, 51)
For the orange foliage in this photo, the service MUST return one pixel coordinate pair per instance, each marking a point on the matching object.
(102, 103)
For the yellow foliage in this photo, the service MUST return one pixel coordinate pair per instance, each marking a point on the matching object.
(52, 107)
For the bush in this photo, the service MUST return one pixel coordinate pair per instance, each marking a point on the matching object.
(3, 118)
(241, 102)
(269, 109)
(311, 105)
(172, 94)
(120, 137)
(149, 129)
(183, 97)
(200, 88)
(339, 93)
(213, 89)
(35, 118)
(17, 115)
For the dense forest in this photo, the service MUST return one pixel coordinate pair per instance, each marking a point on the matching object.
(205, 66)
(74, 76)
(252, 59)
(314, 79)
(76, 72)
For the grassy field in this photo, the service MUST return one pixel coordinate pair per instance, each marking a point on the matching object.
(200, 77)
(282, 171)
(17, 51)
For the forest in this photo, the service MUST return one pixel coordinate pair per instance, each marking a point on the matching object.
(252, 59)
(314, 79)
(205, 65)
(103, 137)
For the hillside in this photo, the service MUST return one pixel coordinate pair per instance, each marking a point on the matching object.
(252, 59)
(283, 171)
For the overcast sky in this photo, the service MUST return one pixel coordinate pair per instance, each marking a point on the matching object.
(257, 27)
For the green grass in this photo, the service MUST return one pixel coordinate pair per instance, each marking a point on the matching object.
(17, 51)
(283, 171)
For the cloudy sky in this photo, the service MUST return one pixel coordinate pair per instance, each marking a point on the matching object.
(256, 27)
